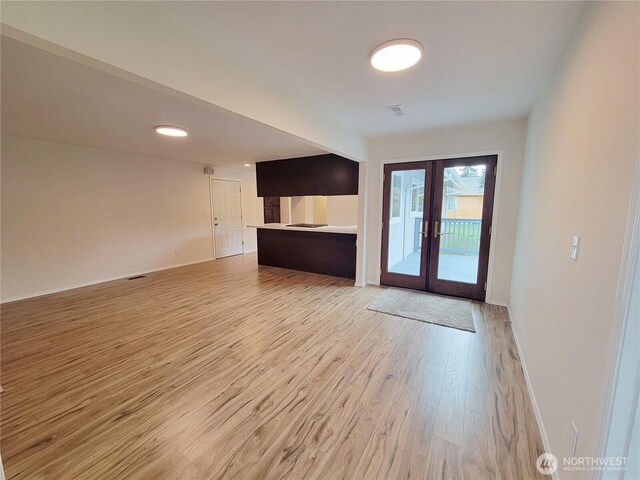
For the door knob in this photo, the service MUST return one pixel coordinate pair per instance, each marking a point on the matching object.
(435, 230)
(215, 223)
(425, 231)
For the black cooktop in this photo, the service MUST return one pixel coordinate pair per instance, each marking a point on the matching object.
(308, 225)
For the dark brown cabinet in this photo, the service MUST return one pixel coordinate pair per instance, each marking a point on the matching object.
(328, 174)
(316, 252)
(271, 209)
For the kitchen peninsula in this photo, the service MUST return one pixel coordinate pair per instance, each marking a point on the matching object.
(318, 204)
(329, 250)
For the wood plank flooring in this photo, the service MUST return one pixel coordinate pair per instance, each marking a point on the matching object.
(230, 370)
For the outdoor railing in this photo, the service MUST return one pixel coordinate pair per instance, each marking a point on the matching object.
(460, 236)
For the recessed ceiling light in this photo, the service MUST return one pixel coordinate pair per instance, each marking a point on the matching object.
(247, 164)
(396, 55)
(171, 131)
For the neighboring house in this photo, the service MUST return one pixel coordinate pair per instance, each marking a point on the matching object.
(463, 196)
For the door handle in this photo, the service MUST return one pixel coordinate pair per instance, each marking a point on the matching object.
(215, 223)
(435, 230)
(425, 232)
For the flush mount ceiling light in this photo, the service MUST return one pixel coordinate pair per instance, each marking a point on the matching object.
(171, 131)
(247, 164)
(396, 55)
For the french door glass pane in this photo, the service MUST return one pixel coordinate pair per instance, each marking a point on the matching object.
(461, 219)
(405, 221)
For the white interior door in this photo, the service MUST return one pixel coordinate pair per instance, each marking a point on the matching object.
(227, 217)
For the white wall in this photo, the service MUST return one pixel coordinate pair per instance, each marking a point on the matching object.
(402, 230)
(319, 209)
(342, 209)
(506, 137)
(361, 244)
(307, 209)
(75, 215)
(395, 244)
(582, 145)
(285, 209)
(299, 209)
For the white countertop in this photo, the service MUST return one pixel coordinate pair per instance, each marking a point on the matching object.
(328, 229)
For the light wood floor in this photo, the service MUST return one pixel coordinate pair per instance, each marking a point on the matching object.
(230, 370)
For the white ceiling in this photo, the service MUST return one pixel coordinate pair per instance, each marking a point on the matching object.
(50, 97)
(483, 60)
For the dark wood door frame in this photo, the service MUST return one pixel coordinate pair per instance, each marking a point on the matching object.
(390, 278)
(433, 211)
(446, 287)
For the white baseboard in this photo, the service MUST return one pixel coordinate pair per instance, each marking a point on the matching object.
(95, 282)
(498, 303)
(532, 395)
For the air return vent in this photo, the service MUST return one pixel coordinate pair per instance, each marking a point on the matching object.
(396, 109)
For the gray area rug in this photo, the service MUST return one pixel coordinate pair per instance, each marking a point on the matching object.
(425, 307)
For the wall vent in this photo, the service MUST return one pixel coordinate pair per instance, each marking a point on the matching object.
(396, 109)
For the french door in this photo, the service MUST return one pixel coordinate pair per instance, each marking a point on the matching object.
(436, 225)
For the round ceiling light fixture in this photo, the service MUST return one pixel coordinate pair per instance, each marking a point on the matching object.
(396, 55)
(171, 131)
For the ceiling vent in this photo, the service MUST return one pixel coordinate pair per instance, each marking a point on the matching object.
(396, 109)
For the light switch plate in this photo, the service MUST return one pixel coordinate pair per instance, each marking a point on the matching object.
(574, 247)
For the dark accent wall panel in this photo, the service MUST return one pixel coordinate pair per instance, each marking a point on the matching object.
(318, 175)
(325, 253)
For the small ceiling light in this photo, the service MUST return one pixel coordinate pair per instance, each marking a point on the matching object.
(171, 131)
(247, 164)
(396, 55)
